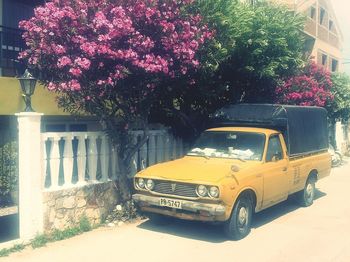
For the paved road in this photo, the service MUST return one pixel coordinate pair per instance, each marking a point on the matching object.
(281, 233)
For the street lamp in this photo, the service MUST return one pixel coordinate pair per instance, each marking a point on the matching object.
(28, 83)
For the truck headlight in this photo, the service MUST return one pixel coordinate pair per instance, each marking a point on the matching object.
(214, 191)
(149, 184)
(202, 190)
(140, 183)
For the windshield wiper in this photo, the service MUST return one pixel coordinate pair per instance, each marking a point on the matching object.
(240, 159)
(199, 154)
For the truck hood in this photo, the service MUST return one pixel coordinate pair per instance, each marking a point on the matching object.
(197, 169)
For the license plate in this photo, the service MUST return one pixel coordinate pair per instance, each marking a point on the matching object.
(166, 202)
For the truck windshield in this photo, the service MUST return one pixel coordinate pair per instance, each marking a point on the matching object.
(229, 144)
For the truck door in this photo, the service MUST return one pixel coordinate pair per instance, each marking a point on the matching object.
(275, 173)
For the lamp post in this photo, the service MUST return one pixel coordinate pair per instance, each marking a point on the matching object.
(28, 83)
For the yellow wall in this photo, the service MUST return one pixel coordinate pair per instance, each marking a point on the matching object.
(11, 100)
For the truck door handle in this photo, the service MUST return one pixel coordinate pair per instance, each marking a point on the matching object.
(284, 169)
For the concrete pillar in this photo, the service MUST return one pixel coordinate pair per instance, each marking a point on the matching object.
(30, 175)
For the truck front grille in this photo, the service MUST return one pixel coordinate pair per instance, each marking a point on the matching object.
(174, 188)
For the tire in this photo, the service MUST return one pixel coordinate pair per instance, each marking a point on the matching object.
(239, 224)
(307, 195)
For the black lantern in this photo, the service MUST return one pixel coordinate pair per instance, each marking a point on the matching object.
(28, 83)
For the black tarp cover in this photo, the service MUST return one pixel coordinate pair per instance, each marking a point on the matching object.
(304, 128)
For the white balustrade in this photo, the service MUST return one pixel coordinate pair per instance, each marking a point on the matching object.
(83, 150)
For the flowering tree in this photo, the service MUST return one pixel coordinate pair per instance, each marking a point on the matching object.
(311, 88)
(253, 47)
(112, 58)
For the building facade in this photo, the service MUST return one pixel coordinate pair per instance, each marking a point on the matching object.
(323, 36)
(43, 101)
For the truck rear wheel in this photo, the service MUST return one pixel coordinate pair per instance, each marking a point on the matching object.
(238, 226)
(306, 196)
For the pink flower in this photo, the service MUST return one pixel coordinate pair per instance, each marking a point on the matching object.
(74, 85)
(83, 63)
(75, 71)
(64, 61)
(96, 45)
(51, 86)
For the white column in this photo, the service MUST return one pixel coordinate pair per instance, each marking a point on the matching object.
(152, 149)
(92, 158)
(166, 142)
(179, 148)
(133, 167)
(160, 147)
(55, 161)
(30, 175)
(44, 160)
(104, 158)
(68, 160)
(143, 156)
(114, 163)
(81, 159)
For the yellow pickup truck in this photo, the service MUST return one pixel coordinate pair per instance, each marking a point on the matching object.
(255, 157)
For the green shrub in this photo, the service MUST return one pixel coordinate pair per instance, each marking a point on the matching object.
(64, 234)
(84, 224)
(8, 169)
(39, 241)
(6, 251)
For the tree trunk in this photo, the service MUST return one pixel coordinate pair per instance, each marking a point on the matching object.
(126, 154)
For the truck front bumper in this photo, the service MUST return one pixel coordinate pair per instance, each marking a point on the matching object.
(197, 210)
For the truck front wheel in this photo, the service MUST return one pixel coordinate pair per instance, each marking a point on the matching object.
(306, 196)
(238, 226)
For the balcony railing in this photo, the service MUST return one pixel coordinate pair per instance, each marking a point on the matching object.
(11, 44)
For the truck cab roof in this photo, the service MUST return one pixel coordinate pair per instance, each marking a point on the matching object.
(266, 131)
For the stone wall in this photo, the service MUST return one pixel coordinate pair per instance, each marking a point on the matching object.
(64, 208)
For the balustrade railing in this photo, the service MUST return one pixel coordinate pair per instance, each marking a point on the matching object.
(76, 158)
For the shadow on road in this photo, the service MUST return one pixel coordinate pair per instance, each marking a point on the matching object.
(270, 214)
(213, 232)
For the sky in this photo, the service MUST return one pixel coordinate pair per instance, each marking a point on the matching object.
(342, 11)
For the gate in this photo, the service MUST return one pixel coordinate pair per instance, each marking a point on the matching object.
(9, 223)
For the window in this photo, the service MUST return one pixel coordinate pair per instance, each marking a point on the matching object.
(65, 127)
(324, 60)
(330, 25)
(230, 144)
(322, 14)
(78, 128)
(312, 13)
(274, 150)
(334, 65)
(55, 128)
